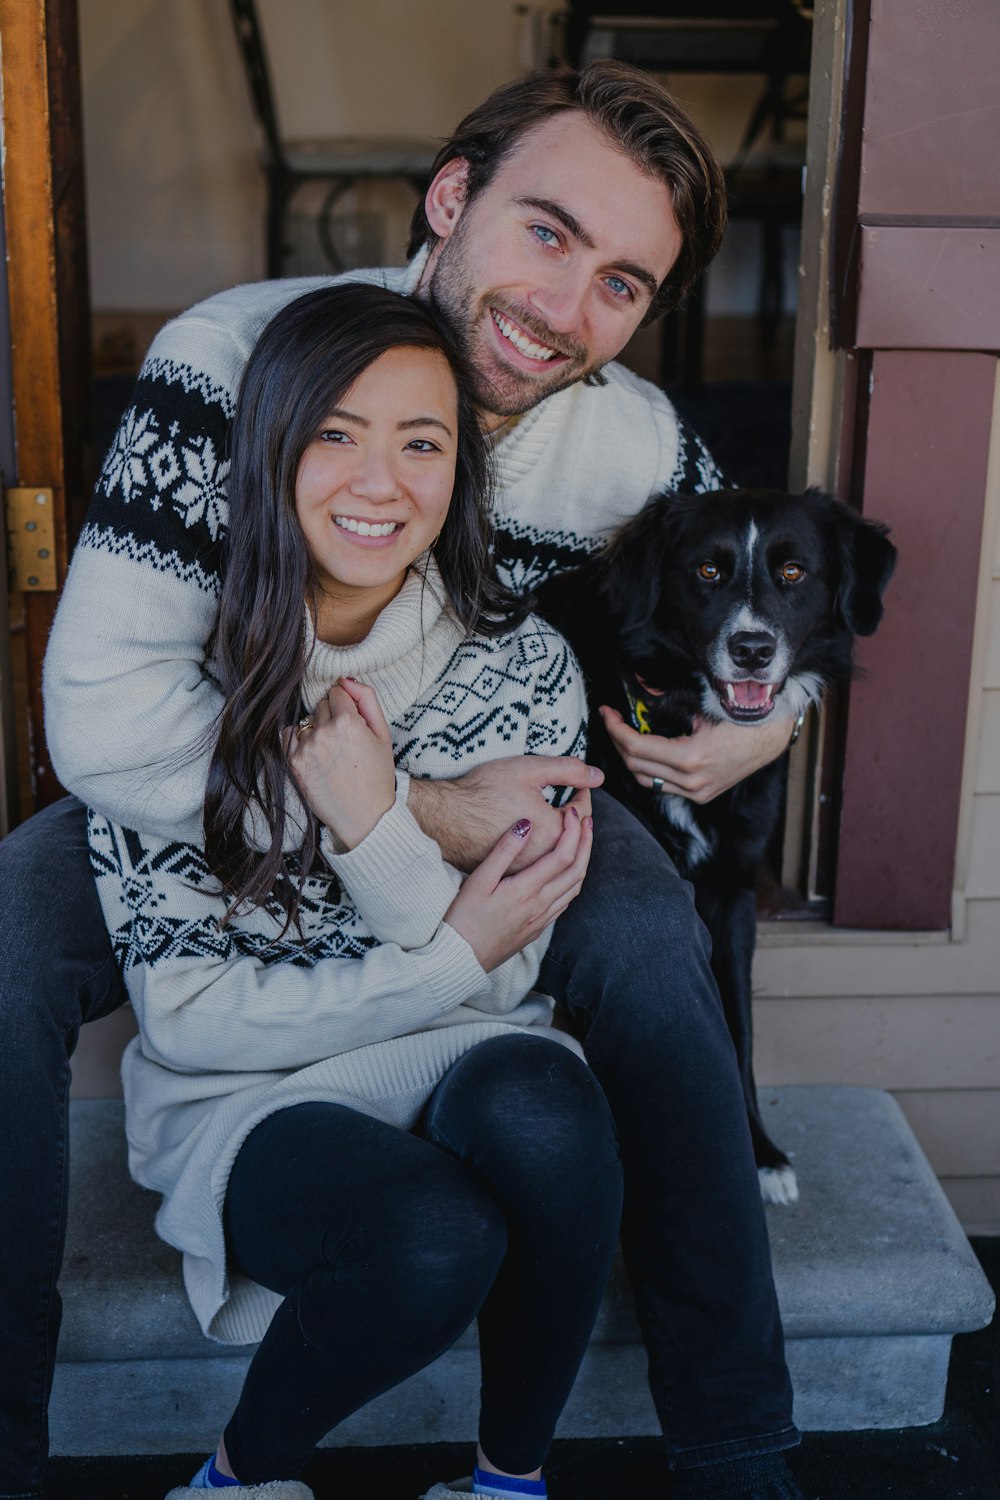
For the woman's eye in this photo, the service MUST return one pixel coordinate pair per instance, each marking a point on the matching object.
(792, 573)
(423, 445)
(334, 435)
(709, 572)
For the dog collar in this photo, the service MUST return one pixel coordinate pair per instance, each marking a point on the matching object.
(638, 710)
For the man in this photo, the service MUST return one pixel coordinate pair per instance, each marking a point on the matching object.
(563, 213)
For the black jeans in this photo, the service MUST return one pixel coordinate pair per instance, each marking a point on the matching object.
(504, 1204)
(629, 959)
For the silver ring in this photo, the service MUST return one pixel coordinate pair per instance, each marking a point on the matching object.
(657, 784)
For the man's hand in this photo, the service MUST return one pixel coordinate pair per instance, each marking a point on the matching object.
(701, 765)
(468, 817)
(499, 912)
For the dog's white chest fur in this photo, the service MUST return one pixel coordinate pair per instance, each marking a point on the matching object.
(677, 811)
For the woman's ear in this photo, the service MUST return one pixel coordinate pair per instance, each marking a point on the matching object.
(446, 197)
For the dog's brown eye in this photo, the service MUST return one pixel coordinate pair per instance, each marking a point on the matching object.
(792, 573)
(709, 572)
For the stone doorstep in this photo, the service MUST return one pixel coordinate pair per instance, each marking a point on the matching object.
(873, 1271)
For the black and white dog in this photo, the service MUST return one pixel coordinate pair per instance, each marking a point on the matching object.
(735, 605)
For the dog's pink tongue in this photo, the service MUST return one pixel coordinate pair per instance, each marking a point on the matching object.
(751, 694)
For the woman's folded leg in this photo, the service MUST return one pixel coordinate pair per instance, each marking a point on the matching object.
(383, 1247)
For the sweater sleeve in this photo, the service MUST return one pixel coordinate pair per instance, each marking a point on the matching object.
(243, 998)
(128, 704)
(397, 877)
(242, 1015)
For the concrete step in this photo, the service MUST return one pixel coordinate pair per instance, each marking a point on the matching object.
(874, 1276)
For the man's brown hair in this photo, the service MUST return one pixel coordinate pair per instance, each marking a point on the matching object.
(638, 116)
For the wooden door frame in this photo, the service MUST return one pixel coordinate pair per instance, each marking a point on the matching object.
(48, 301)
(10, 801)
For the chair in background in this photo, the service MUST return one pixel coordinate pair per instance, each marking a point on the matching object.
(769, 37)
(341, 161)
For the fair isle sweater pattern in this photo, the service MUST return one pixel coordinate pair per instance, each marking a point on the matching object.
(573, 469)
(162, 500)
(149, 934)
(515, 694)
(371, 1002)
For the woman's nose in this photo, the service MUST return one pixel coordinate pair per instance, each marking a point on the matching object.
(375, 477)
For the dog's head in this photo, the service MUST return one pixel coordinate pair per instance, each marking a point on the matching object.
(759, 594)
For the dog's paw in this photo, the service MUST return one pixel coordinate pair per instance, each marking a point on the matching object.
(778, 1184)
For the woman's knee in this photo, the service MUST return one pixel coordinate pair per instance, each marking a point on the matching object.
(526, 1100)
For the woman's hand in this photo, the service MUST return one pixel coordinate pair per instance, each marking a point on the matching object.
(498, 914)
(344, 763)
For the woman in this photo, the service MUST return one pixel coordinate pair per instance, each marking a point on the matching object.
(362, 1128)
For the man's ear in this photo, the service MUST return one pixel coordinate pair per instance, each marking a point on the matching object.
(446, 197)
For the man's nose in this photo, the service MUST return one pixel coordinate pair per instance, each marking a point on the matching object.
(560, 303)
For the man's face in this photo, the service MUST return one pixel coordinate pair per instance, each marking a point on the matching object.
(544, 276)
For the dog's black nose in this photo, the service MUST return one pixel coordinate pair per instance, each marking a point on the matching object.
(752, 649)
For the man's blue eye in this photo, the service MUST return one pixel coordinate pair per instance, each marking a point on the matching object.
(541, 230)
(619, 287)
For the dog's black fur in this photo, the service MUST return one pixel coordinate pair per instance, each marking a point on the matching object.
(754, 589)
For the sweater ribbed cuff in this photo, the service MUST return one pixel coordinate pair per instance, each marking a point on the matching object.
(396, 876)
(457, 974)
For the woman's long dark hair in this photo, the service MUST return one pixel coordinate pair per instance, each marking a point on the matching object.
(302, 367)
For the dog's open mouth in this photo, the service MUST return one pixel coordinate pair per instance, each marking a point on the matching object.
(747, 701)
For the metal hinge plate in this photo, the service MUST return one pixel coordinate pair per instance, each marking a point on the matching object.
(31, 533)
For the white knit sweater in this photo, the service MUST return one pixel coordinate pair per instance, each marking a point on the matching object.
(125, 678)
(124, 664)
(378, 996)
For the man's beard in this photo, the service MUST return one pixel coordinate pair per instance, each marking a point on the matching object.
(510, 391)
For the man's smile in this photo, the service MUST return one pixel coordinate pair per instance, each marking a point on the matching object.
(529, 347)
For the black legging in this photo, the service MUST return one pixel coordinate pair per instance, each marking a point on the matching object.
(385, 1245)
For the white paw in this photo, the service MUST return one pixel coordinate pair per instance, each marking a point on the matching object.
(778, 1185)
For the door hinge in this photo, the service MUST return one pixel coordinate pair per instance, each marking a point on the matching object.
(31, 545)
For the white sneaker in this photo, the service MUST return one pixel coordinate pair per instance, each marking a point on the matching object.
(275, 1489)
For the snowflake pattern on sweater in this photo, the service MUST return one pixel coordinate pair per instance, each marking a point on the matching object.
(518, 693)
(165, 480)
(161, 498)
(569, 473)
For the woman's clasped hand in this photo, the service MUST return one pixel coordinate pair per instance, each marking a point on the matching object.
(343, 761)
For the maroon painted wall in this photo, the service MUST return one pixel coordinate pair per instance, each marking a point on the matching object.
(925, 258)
(932, 112)
(925, 475)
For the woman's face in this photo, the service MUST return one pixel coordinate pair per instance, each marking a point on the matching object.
(374, 486)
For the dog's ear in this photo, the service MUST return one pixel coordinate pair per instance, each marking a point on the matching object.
(635, 560)
(866, 560)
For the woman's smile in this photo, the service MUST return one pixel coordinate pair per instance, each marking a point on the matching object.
(374, 486)
(367, 531)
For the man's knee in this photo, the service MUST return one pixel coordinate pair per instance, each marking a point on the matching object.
(55, 954)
